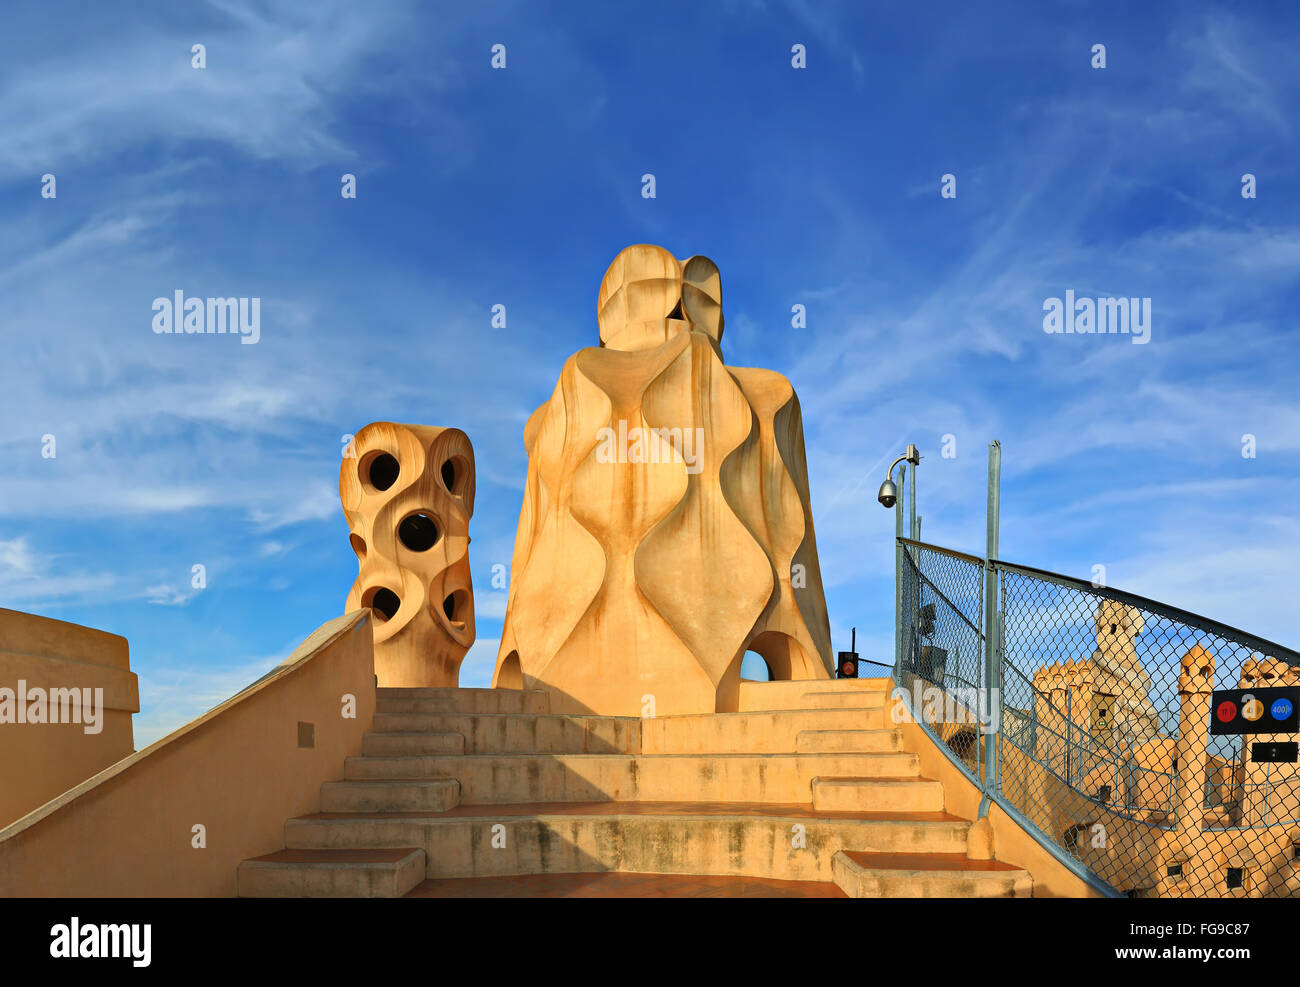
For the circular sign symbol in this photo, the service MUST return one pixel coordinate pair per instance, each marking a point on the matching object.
(1227, 711)
(1251, 708)
(1281, 709)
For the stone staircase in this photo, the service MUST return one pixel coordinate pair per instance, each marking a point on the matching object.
(807, 783)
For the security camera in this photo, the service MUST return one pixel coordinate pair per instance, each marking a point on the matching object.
(888, 495)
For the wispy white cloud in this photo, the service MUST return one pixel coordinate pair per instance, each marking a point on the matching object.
(924, 317)
(16, 558)
(166, 595)
(274, 76)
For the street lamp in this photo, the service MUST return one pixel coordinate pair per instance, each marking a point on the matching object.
(888, 495)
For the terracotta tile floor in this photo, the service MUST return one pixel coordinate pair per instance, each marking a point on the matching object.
(618, 885)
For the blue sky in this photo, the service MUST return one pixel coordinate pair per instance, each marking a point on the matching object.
(817, 186)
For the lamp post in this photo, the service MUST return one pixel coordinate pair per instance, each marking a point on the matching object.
(889, 497)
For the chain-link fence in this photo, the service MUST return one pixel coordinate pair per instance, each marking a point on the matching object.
(943, 645)
(1100, 712)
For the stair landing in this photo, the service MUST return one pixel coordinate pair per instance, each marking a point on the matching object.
(927, 875)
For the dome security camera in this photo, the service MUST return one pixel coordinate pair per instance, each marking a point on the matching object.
(888, 495)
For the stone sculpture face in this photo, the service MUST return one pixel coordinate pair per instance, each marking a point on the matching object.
(648, 296)
(666, 526)
(408, 493)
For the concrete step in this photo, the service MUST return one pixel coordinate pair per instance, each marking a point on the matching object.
(843, 700)
(411, 723)
(392, 795)
(523, 733)
(763, 731)
(487, 779)
(769, 731)
(461, 701)
(411, 743)
(848, 741)
(332, 874)
(789, 842)
(755, 696)
(856, 794)
(918, 875)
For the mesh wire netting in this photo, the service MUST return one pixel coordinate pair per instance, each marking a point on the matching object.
(1098, 744)
(943, 646)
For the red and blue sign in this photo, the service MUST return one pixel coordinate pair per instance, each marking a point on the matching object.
(1241, 711)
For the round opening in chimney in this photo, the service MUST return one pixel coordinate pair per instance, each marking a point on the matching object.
(381, 471)
(419, 532)
(385, 602)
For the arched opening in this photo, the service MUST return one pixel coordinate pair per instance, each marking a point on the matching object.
(378, 471)
(754, 668)
(772, 656)
(785, 657)
(358, 546)
(511, 674)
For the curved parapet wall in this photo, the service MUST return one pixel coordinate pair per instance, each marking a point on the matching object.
(175, 819)
(408, 494)
(67, 694)
(666, 527)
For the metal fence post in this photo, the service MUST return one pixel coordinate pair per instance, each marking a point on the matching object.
(911, 524)
(898, 573)
(992, 666)
(1069, 725)
(898, 578)
(911, 645)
